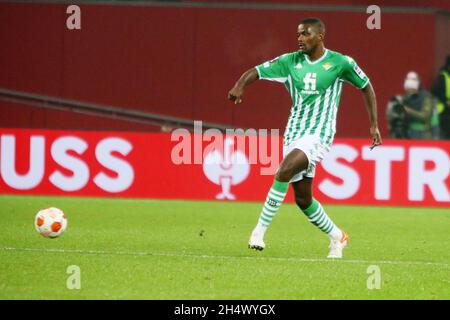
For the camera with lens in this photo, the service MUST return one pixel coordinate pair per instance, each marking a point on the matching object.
(397, 119)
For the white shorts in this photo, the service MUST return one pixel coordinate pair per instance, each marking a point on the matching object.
(314, 149)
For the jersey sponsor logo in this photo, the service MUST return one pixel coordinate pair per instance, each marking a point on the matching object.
(359, 72)
(327, 66)
(298, 66)
(309, 81)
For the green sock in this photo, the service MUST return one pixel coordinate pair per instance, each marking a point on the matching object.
(318, 217)
(273, 202)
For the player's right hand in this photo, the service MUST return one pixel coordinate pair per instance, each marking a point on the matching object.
(236, 94)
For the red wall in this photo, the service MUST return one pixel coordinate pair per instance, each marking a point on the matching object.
(440, 4)
(182, 61)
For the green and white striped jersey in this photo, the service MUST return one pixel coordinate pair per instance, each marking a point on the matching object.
(315, 89)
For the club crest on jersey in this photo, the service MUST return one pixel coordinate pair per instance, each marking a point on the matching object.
(327, 66)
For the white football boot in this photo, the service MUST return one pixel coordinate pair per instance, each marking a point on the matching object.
(337, 246)
(256, 240)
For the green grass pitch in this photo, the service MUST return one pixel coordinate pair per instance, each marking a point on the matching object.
(152, 249)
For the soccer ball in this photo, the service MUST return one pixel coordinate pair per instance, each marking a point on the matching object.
(50, 222)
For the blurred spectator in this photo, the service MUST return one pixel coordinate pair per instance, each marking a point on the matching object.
(441, 89)
(413, 115)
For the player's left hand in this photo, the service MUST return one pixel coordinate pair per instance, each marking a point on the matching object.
(376, 137)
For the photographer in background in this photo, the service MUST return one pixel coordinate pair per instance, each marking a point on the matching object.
(441, 90)
(396, 117)
(413, 115)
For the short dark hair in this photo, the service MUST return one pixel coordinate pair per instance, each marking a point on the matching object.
(316, 22)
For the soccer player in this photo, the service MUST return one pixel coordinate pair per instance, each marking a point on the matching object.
(313, 75)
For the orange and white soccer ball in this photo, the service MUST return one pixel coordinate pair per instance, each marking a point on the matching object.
(50, 222)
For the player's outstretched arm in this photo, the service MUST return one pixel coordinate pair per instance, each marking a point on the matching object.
(371, 105)
(237, 92)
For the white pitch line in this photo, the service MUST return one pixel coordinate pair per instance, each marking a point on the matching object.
(198, 256)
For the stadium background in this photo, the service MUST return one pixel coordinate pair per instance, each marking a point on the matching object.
(155, 66)
(85, 125)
